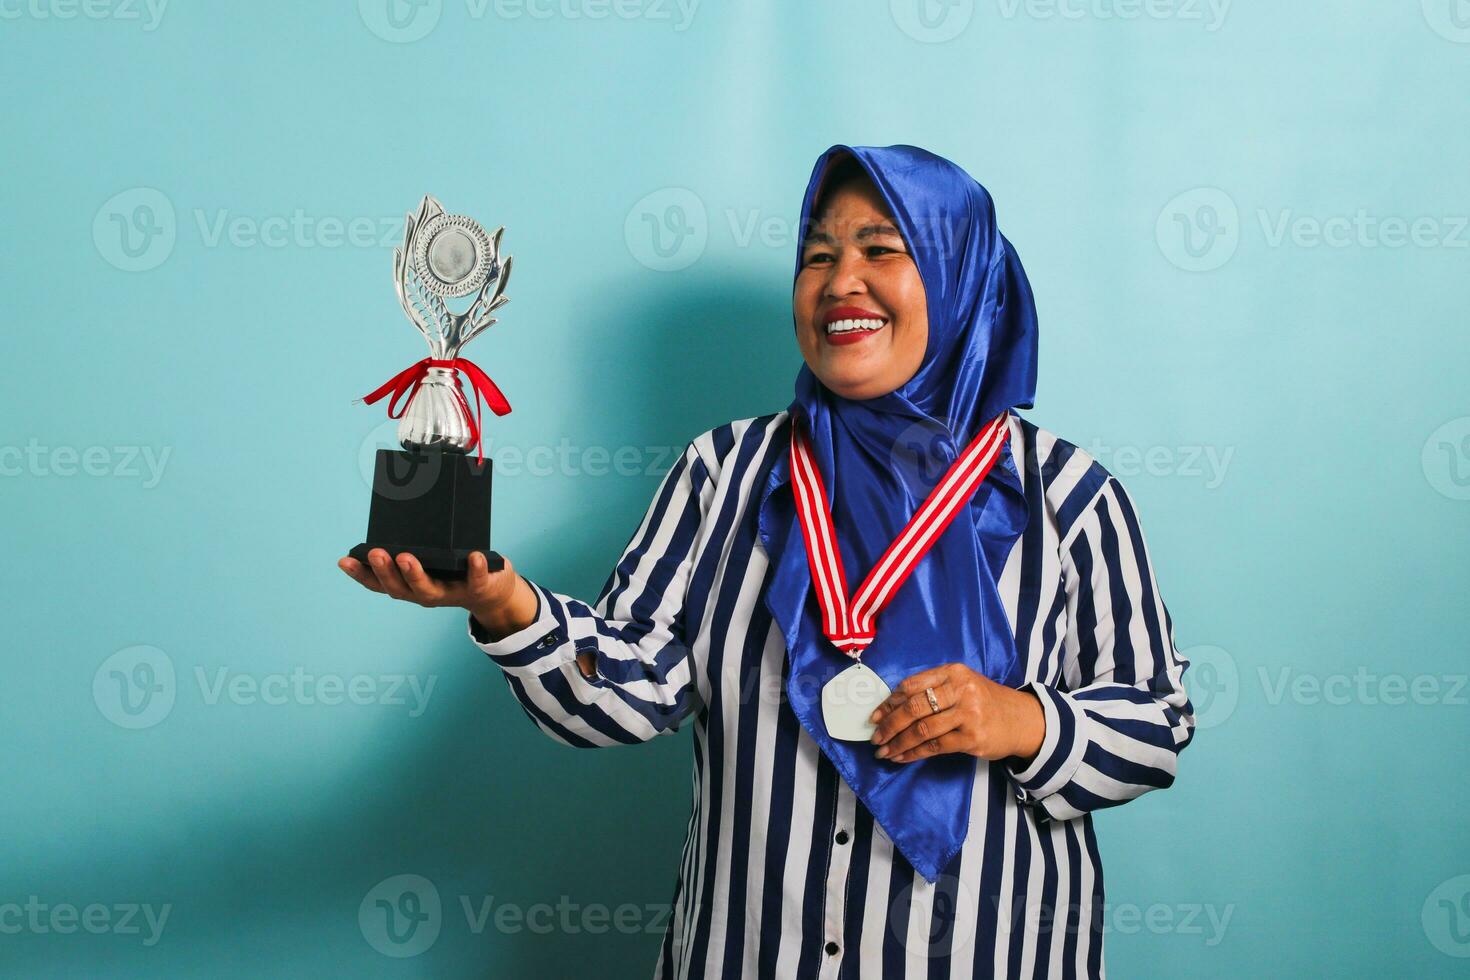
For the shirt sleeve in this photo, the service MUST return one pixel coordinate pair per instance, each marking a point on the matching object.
(1119, 715)
(646, 679)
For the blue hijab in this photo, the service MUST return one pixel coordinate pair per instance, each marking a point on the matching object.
(880, 458)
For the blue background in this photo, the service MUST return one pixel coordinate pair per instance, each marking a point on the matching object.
(648, 165)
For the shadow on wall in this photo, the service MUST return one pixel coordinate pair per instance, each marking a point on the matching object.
(687, 352)
(692, 350)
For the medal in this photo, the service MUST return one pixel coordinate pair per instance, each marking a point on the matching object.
(850, 697)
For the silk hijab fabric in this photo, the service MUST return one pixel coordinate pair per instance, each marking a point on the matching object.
(881, 457)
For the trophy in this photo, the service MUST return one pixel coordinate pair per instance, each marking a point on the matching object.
(431, 499)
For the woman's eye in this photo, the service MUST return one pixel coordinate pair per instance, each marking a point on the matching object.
(869, 252)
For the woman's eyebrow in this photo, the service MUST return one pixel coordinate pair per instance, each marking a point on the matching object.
(867, 231)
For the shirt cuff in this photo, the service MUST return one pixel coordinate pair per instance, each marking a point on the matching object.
(534, 649)
(1061, 748)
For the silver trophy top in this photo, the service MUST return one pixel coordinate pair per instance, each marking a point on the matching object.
(443, 256)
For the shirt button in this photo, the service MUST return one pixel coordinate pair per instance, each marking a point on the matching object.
(842, 837)
(831, 949)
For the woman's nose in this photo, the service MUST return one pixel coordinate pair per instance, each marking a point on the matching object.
(845, 278)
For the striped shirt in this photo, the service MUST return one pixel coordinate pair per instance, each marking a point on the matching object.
(784, 872)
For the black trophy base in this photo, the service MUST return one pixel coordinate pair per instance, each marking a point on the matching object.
(443, 563)
(434, 506)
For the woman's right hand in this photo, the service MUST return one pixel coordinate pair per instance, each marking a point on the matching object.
(501, 601)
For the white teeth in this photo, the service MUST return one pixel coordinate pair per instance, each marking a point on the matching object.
(847, 326)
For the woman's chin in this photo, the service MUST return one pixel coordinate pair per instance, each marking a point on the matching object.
(855, 372)
(856, 387)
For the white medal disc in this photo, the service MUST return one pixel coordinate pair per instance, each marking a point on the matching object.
(848, 699)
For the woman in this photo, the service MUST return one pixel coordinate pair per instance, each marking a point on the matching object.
(1003, 591)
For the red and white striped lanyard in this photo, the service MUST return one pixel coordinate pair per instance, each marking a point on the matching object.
(849, 624)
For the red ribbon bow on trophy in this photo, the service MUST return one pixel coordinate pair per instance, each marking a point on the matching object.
(405, 384)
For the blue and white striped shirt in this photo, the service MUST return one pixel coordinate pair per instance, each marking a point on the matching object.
(783, 872)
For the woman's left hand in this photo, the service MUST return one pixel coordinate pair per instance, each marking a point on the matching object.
(976, 716)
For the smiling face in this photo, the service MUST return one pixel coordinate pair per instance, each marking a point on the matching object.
(861, 319)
